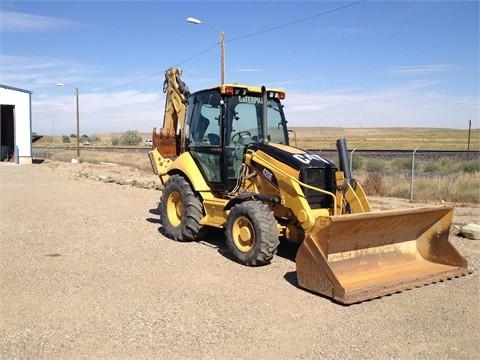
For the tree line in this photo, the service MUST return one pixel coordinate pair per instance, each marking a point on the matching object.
(129, 137)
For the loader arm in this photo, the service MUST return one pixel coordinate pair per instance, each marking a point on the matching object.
(350, 196)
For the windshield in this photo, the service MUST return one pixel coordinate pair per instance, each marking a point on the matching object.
(244, 119)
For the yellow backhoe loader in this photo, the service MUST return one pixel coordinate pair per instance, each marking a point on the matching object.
(224, 159)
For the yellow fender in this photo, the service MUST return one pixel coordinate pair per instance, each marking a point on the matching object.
(164, 167)
(187, 166)
(215, 214)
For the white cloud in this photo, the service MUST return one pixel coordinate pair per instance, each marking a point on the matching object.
(52, 106)
(394, 107)
(412, 103)
(39, 71)
(113, 112)
(416, 70)
(23, 22)
(403, 106)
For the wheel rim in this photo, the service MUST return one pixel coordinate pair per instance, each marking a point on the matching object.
(243, 234)
(175, 208)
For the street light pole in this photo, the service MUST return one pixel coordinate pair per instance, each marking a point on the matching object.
(222, 57)
(195, 21)
(78, 125)
(78, 116)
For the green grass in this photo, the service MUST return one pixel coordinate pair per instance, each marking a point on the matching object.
(374, 165)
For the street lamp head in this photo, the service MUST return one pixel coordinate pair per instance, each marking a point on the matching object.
(192, 20)
(195, 21)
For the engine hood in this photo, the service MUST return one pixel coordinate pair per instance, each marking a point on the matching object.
(293, 157)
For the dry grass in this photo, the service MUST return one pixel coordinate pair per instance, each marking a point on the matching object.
(363, 138)
(458, 187)
(387, 138)
(139, 161)
(105, 139)
(442, 180)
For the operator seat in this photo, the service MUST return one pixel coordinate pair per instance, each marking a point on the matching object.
(214, 139)
(199, 131)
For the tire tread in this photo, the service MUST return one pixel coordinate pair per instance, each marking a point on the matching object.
(193, 210)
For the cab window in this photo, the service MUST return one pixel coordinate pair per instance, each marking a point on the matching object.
(205, 120)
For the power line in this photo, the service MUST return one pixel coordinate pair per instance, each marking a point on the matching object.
(197, 54)
(296, 21)
(125, 84)
(154, 74)
(257, 33)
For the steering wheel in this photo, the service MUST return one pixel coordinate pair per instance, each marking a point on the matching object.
(239, 135)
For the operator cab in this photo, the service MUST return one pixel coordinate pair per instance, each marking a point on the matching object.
(222, 122)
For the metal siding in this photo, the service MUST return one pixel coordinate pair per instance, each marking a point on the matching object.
(21, 99)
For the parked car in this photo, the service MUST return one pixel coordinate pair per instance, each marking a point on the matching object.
(149, 142)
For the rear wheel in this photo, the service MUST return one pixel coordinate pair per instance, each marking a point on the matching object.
(180, 210)
(251, 233)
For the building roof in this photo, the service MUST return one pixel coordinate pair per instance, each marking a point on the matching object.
(15, 89)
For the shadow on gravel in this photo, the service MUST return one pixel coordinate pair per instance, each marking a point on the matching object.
(291, 278)
(155, 220)
(215, 238)
(287, 250)
(207, 236)
(38, 161)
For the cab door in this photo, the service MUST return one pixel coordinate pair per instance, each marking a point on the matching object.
(203, 135)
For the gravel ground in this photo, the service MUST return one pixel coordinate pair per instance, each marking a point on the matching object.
(85, 274)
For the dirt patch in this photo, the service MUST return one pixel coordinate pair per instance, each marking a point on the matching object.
(87, 274)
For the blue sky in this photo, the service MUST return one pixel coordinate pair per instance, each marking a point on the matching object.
(372, 64)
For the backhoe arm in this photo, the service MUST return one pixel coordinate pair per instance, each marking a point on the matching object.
(167, 142)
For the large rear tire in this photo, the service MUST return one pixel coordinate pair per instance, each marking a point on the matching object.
(251, 232)
(180, 210)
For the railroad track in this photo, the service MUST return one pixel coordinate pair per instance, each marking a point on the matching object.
(430, 155)
(328, 153)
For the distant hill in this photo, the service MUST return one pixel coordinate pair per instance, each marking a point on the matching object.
(387, 138)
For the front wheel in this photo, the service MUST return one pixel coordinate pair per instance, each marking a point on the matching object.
(251, 233)
(180, 210)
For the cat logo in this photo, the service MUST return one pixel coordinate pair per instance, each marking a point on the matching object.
(307, 158)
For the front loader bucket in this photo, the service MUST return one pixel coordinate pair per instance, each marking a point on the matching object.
(352, 258)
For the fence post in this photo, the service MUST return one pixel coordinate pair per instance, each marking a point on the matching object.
(413, 174)
(351, 159)
(468, 144)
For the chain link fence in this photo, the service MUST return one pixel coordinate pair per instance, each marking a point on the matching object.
(418, 175)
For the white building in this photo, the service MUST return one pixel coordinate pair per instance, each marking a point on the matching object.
(15, 125)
